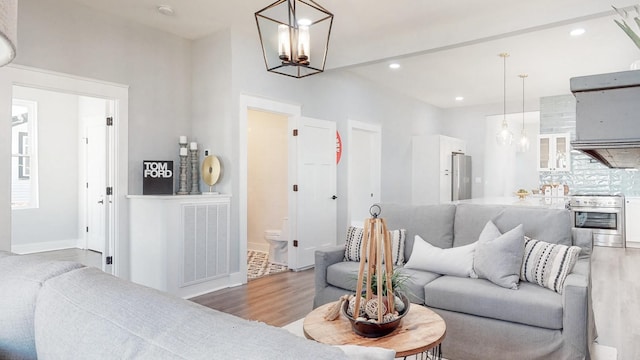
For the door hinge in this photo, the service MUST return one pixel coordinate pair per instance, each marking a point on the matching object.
(295, 132)
(109, 190)
(295, 187)
(109, 260)
(295, 243)
(109, 121)
(87, 229)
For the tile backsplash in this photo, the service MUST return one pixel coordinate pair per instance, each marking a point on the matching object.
(558, 115)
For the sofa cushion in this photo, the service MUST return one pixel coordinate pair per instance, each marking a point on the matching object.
(470, 220)
(456, 261)
(530, 304)
(414, 286)
(550, 225)
(87, 314)
(434, 223)
(353, 245)
(344, 275)
(498, 257)
(21, 278)
(547, 264)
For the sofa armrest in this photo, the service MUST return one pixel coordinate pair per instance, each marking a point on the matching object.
(325, 258)
(576, 305)
(584, 239)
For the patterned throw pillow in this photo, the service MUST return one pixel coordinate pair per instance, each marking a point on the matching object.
(353, 245)
(547, 264)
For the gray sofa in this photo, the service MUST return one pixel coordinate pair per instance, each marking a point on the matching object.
(484, 320)
(63, 310)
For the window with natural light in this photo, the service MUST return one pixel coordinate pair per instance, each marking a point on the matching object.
(24, 181)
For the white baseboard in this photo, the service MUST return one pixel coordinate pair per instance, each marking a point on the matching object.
(633, 244)
(45, 246)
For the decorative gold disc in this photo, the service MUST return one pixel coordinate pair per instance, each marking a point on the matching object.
(210, 170)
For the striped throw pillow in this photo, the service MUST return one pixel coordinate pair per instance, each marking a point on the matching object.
(353, 245)
(547, 264)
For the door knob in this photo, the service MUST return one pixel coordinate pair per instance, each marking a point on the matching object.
(101, 202)
(334, 197)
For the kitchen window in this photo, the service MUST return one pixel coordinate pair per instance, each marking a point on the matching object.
(24, 181)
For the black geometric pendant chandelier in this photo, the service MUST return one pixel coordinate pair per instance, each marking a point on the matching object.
(294, 35)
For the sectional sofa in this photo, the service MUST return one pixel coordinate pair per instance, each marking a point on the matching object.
(486, 320)
(64, 310)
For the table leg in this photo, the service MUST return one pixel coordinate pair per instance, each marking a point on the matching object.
(433, 354)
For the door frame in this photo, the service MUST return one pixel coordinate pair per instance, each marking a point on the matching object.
(248, 102)
(377, 165)
(117, 235)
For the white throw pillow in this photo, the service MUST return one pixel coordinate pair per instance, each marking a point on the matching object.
(456, 261)
(547, 264)
(353, 245)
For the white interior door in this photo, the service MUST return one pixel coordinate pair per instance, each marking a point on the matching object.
(364, 170)
(96, 186)
(316, 198)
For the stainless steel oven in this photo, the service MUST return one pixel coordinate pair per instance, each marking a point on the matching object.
(604, 214)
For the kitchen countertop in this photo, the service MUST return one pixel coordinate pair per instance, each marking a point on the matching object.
(529, 201)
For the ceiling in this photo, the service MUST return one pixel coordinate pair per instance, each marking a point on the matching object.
(445, 48)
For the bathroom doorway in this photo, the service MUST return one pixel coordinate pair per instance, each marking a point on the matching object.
(267, 193)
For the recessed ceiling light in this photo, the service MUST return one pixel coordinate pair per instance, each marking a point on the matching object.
(459, 98)
(394, 66)
(577, 32)
(166, 10)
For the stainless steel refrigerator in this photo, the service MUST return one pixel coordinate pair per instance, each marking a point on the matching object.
(460, 177)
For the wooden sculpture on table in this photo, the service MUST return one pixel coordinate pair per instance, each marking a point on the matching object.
(377, 242)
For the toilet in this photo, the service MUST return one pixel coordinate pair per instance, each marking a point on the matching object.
(278, 243)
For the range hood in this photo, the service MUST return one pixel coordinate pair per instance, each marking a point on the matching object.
(608, 117)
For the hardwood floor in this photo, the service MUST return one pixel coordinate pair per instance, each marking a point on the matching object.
(616, 299)
(277, 299)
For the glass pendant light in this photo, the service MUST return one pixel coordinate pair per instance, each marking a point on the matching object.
(504, 136)
(523, 142)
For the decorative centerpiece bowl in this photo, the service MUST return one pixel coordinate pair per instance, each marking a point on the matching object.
(373, 329)
(522, 194)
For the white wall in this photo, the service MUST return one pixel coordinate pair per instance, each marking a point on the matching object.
(267, 176)
(68, 37)
(211, 101)
(55, 220)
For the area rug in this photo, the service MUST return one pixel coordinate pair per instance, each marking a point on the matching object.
(598, 352)
(258, 265)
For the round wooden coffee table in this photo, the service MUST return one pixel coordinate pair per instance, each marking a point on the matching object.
(421, 330)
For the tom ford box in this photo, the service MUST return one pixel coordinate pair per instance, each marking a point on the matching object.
(157, 177)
